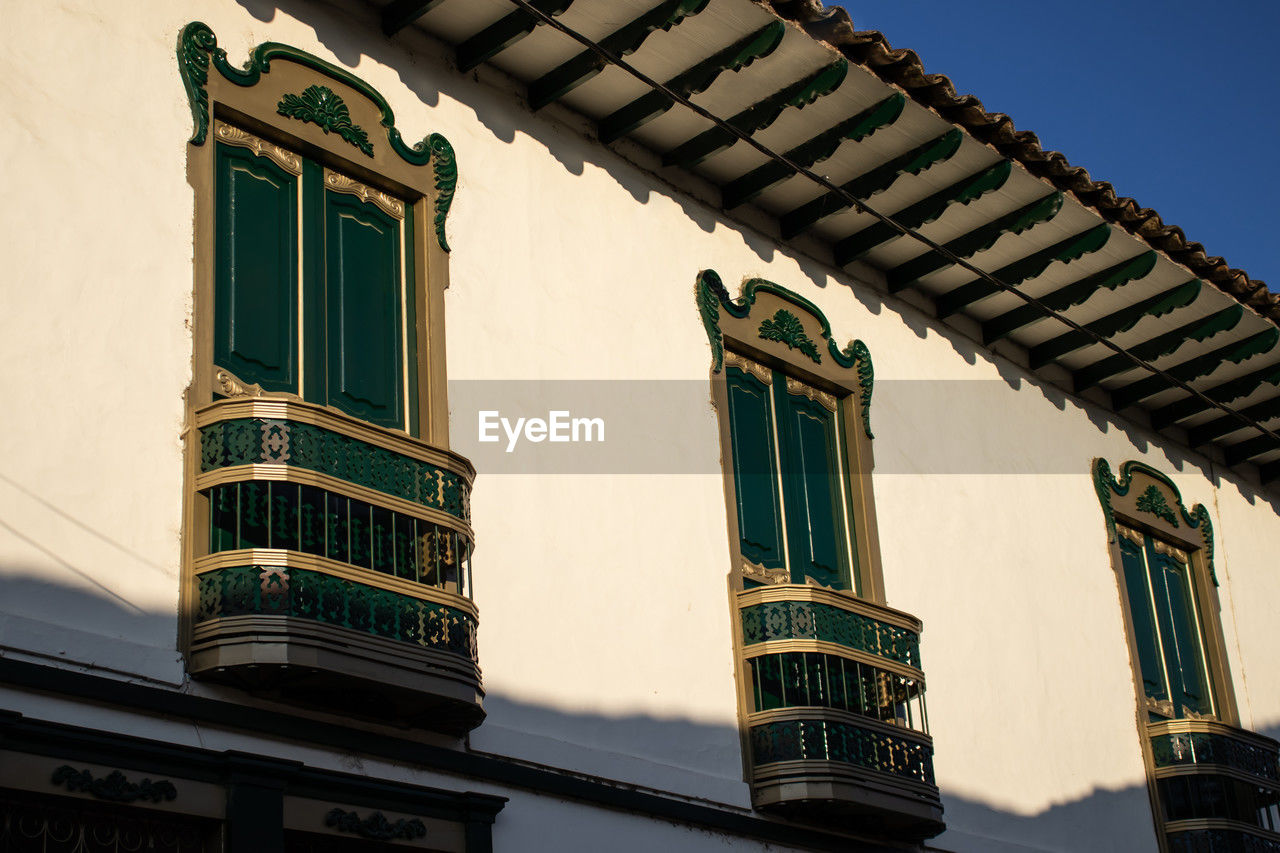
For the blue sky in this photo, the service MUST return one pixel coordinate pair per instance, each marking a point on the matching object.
(1171, 102)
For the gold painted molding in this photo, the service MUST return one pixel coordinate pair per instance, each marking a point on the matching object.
(264, 473)
(780, 715)
(762, 574)
(822, 398)
(836, 598)
(282, 157)
(755, 368)
(339, 182)
(774, 647)
(273, 408)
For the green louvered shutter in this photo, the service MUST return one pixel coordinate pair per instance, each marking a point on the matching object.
(1144, 624)
(755, 469)
(365, 364)
(1178, 623)
(811, 466)
(256, 269)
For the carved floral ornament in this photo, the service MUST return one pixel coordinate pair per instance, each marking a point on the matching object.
(317, 104)
(1151, 501)
(783, 326)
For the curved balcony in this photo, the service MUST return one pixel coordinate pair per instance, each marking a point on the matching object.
(336, 565)
(836, 715)
(1219, 787)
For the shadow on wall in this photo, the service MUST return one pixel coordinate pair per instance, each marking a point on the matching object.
(696, 760)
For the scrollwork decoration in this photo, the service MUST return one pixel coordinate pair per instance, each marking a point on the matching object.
(325, 108)
(376, 826)
(1152, 501)
(786, 328)
(198, 50)
(114, 787)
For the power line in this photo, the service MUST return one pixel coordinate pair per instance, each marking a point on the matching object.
(863, 207)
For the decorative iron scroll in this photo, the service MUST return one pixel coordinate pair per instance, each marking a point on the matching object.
(329, 600)
(375, 826)
(1105, 485)
(198, 51)
(784, 327)
(115, 786)
(1182, 749)
(36, 823)
(250, 441)
(804, 620)
(844, 743)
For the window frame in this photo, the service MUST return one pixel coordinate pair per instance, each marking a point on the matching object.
(734, 329)
(273, 98)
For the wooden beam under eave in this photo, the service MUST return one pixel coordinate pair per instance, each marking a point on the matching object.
(691, 81)
(1243, 451)
(873, 181)
(759, 115)
(979, 239)
(1115, 323)
(1064, 252)
(1233, 389)
(503, 33)
(883, 114)
(922, 212)
(1157, 347)
(624, 41)
(1069, 296)
(1202, 365)
(401, 13)
(1261, 412)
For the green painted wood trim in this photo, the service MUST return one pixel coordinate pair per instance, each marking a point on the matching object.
(1158, 347)
(506, 31)
(712, 296)
(874, 181)
(1225, 425)
(1032, 266)
(804, 620)
(690, 82)
(321, 106)
(1202, 365)
(319, 597)
(569, 75)
(1069, 296)
(1115, 323)
(1106, 485)
(759, 115)
(841, 742)
(926, 210)
(1233, 389)
(786, 328)
(315, 371)
(883, 114)
(978, 240)
(401, 13)
(411, 285)
(198, 50)
(262, 441)
(1243, 451)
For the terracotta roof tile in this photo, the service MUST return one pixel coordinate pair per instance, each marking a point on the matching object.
(870, 49)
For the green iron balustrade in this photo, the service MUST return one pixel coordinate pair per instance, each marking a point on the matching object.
(259, 441)
(1221, 777)
(330, 600)
(844, 743)
(804, 620)
(1219, 840)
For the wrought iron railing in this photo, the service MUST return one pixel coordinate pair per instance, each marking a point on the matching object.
(1218, 786)
(308, 517)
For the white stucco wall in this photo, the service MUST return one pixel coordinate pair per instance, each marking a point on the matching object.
(605, 621)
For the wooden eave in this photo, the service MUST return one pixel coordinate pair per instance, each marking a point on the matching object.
(995, 198)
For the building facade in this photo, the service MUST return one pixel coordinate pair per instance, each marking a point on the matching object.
(589, 425)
